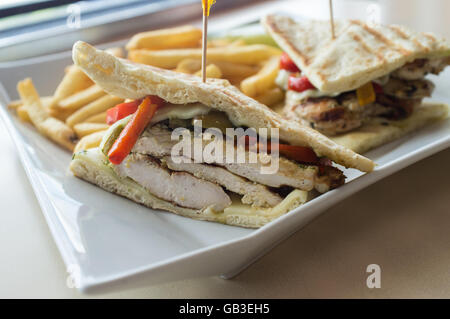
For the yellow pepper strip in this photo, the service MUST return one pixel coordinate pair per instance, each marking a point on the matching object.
(366, 94)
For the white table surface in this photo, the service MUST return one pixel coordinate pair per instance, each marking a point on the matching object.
(401, 223)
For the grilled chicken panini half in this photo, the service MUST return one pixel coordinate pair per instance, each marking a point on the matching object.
(139, 158)
(363, 88)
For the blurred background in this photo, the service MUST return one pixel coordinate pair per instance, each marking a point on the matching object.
(37, 27)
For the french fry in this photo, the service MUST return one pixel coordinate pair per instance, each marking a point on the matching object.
(94, 108)
(54, 129)
(99, 118)
(117, 52)
(234, 70)
(236, 80)
(189, 66)
(271, 97)
(193, 66)
(59, 132)
(219, 43)
(263, 80)
(32, 102)
(174, 38)
(89, 141)
(83, 129)
(59, 114)
(46, 101)
(82, 98)
(21, 109)
(14, 105)
(212, 71)
(237, 43)
(68, 68)
(74, 80)
(169, 59)
(22, 113)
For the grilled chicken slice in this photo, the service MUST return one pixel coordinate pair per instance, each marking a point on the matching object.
(332, 116)
(419, 68)
(181, 188)
(156, 141)
(412, 89)
(336, 115)
(253, 193)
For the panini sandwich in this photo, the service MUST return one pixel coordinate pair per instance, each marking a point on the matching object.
(363, 88)
(137, 159)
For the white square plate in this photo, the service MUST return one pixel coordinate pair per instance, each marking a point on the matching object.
(111, 243)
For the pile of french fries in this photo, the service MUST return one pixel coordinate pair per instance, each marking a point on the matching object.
(74, 117)
(252, 68)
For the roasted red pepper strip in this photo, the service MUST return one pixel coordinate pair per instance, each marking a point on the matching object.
(378, 88)
(297, 153)
(130, 134)
(299, 84)
(287, 64)
(121, 111)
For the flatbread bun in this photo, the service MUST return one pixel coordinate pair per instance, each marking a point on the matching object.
(129, 80)
(89, 166)
(380, 131)
(359, 54)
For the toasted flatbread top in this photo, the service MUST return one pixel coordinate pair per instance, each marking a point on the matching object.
(360, 52)
(129, 80)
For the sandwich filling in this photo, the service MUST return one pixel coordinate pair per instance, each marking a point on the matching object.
(167, 172)
(394, 96)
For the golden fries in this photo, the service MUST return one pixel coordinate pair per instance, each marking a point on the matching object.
(82, 98)
(189, 66)
(271, 97)
(229, 69)
(218, 43)
(169, 59)
(237, 43)
(74, 81)
(263, 80)
(99, 118)
(59, 114)
(94, 108)
(32, 102)
(89, 141)
(22, 113)
(59, 132)
(14, 105)
(21, 109)
(236, 70)
(83, 129)
(174, 38)
(212, 71)
(48, 126)
(117, 52)
(77, 110)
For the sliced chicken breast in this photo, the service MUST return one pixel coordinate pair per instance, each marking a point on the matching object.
(412, 89)
(332, 115)
(181, 188)
(419, 68)
(253, 193)
(156, 141)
